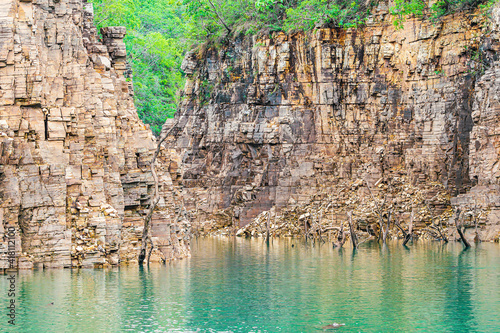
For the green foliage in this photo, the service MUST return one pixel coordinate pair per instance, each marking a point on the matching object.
(486, 7)
(210, 20)
(206, 89)
(403, 8)
(313, 13)
(445, 7)
(214, 20)
(478, 61)
(155, 46)
(116, 12)
(439, 72)
(419, 8)
(272, 15)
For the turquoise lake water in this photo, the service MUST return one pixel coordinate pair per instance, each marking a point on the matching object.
(240, 285)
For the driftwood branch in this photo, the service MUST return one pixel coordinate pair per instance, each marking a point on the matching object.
(330, 229)
(146, 237)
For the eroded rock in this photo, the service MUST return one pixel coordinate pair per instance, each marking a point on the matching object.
(74, 157)
(294, 118)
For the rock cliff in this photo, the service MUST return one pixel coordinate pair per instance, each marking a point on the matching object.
(289, 120)
(74, 157)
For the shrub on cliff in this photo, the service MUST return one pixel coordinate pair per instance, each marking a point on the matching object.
(212, 19)
(216, 19)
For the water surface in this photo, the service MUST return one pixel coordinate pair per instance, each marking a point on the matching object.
(240, 285)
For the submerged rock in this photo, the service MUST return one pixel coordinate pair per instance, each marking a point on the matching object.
(333, 326)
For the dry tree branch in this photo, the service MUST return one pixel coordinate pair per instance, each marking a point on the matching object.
(220, 18)
(438, 227)
(146, 237)
(410, 229)
(379, 210)
(407, 235)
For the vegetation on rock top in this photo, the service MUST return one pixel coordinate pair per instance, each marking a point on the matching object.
(160, 31)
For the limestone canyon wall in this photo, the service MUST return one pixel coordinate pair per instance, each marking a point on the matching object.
(276, 121)
(74, 157)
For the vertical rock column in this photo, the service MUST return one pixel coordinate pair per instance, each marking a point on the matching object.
(74, 156)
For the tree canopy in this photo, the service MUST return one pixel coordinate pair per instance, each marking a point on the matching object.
(155, 40)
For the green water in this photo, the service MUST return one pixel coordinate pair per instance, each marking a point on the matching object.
(238, 285)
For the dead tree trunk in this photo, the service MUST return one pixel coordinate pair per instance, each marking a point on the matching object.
(267, 224)
(406, 235)
(340, 237)
(386, 231)
(233, 232)
(320, 230)
(306, 231)
(459, 229)
(410, 230)
(396, 222)
(476, 218)
(354, 238)
(146, 237)
(151, 245)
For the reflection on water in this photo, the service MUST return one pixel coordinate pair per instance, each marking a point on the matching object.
(239, 285)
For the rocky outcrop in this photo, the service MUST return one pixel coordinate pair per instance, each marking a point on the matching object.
(74, 157)
(272, 122)
(484, 143)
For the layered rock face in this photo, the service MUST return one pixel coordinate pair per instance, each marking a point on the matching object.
(484, 143)
(276, 121)
(74, 157)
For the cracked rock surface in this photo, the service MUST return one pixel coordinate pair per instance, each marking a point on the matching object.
(274, 123)
(74, 157)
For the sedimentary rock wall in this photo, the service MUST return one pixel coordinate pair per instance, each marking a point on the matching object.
(270, 122)
(484, 143)
(74, 157)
